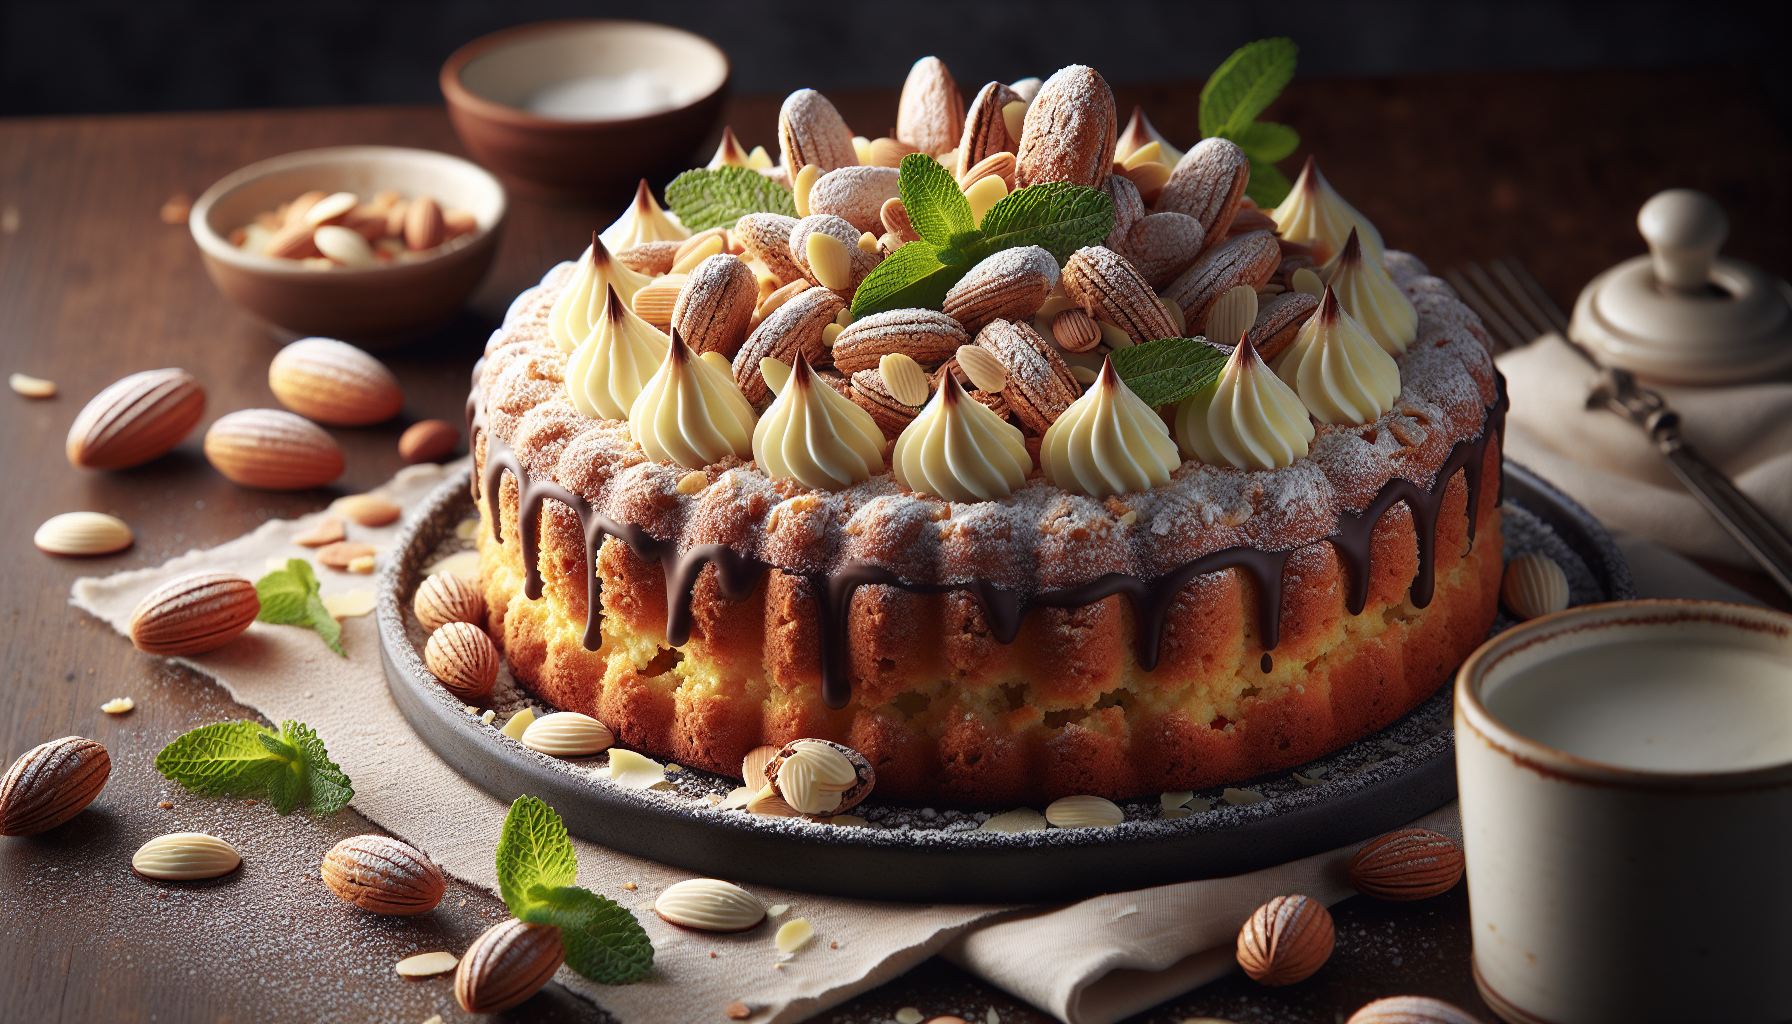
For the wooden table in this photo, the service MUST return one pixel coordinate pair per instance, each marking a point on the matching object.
(1550, 168)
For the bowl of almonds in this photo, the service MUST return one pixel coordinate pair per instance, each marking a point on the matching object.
(376, 244)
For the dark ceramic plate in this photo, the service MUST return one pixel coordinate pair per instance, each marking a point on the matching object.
(931, 855)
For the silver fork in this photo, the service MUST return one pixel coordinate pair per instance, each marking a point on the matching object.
(1517, 311)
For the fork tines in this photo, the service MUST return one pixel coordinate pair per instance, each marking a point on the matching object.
(1509, 300)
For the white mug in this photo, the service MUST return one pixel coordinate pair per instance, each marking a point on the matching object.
(1649, 878)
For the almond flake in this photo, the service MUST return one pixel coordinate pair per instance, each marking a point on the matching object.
(794, 935)
(424, 965)
(118, 705)
(351, 605)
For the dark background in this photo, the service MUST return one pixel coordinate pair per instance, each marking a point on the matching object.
(95, 56)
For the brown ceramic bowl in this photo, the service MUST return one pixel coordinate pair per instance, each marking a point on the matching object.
(369, 307)
(498, 85)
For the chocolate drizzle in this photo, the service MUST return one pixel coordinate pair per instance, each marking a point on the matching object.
(738, 574)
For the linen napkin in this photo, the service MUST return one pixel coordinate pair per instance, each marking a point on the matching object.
(1092, 962)
(1608, 465)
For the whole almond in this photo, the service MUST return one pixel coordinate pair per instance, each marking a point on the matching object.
(1010, 285)
(1075, 331)
(1208, 185)
(710, 244)
(1286, 940)
(272, 450)
(894, 217)
(445, 598)
(428, 441)
(51, 783)
(928, 337)
(1249, 259)
(368, 510)
(463, 658)
(1108, 287)
(796, 326)
(334, 382)
(136, 419)
(567, 734)
(709, 904)
(985, 129)
(888, 152)
(775, 301)
(1411, 1010)
(995, 165)
(507, 964)
(650, 258)
(930, 113)
(655, 302)
(292, 242)
(1069, 131)
(811, 131)
(193, 614)
(382, 875)
(83, 533)
(424, 227)
(1410, 864)
(185, 857)
(766, 238)
(343, 554)
(715, 306)
(854, 194)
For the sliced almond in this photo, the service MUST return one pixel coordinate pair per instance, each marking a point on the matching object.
(904, 377)
(984, 369)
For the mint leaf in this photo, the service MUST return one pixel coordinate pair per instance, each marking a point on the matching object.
(291, 767)
(1246, 83)
(533, 851)
(289, 597)
(327, 786)
(603, 940)
(1266, 141)
(914, 276)
(1167, 370)
(320, 619)
(705, 198)
(1056, 216)
(936, 209)
(1268, 186)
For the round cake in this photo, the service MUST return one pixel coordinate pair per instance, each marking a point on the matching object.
(954, 537)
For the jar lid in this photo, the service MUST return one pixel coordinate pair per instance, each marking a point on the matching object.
(1683, 314)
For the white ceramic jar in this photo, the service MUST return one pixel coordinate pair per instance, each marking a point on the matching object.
(1660, 891)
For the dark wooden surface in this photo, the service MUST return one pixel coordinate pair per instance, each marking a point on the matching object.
(1549, 168)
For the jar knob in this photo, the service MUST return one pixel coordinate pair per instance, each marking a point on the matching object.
(1684, 228)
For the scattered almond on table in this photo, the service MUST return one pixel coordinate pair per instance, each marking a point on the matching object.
(428, 441)
(32, 387)
(1286, 940)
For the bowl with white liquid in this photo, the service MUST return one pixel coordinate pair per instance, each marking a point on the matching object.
(581, 109)
(1625, 772)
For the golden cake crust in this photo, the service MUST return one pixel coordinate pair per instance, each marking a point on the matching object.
(945, 711)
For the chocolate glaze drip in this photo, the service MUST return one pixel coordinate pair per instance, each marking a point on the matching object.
(1151, 597)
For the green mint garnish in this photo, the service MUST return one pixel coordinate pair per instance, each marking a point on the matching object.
(1236, 93)
(1168, 370)
(289, 597)
(705, 199)
(536, 868)
(1058, 217)
(290, 767)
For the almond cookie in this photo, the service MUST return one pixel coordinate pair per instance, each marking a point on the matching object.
(985, 128)
(766, 238)
(715, 305)
(1040, 384)
(795, 327)
(1108, 287)
(651, 258)
(1279, 320)
(931, 110)
(870, 393)
(1249, 259)
(811, 131)
(1069, 131)
(1159, 245)
(855, 194)
(926, 336)
(843, 278)
(1010, 285)
(1208, 185)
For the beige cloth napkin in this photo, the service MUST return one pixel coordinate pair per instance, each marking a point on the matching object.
(1608, 465)
(1092, 962)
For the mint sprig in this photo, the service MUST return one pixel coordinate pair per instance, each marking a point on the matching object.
(290, 767)
(1168, 370)
(289, 597)
(705, 198)
(1235, 94)
(536, 869)
(1056, 216)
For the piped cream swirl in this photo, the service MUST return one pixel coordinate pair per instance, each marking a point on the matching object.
(1248, 419)
(1108, 442)
(1340, 373)
(691, 413)
(1371, 297)
(812, 435)
(1316, 216)
(958, 450)
(612, 366)
(578, 309)
(644, 221)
